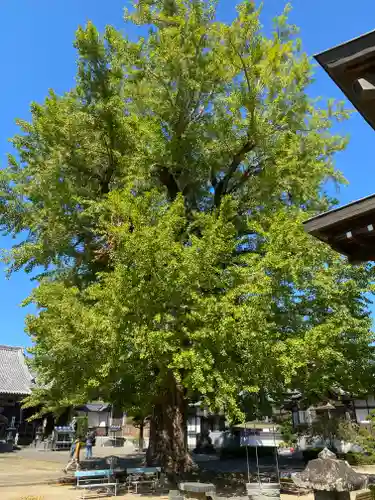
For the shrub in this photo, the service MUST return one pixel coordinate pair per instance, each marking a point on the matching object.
(371, 487)
(288, 432)
(82, 427)
(354, 458)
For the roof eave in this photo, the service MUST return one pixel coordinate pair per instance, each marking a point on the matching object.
(347, 62)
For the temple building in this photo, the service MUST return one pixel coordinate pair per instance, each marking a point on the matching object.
(350, 229)
(16, 382)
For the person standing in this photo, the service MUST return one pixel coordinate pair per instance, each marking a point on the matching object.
(74, 463)
(89, 445)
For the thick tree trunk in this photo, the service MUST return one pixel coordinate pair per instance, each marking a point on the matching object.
(168, 438)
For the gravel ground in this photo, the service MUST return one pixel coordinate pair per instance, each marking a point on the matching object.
(49, 492)
(68, 493)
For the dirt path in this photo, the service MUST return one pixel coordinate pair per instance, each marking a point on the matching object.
(38, 493)
(16, 470)
(31, 467)
(69, 493)
(49, 492)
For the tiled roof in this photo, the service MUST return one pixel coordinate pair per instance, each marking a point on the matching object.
(15, 377)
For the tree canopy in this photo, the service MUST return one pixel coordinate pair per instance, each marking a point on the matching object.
(164, 197)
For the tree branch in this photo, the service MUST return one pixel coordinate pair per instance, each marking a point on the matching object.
(222, 185)
(243, 65)
(249, 172)
(167, 179)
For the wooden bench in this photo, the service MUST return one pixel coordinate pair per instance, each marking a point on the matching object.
(143, 475)
(96, 479)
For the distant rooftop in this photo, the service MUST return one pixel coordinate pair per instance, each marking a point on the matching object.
(15, 377)
(97, 406)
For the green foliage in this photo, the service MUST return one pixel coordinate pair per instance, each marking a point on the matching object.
(288, 431)
(366, 440)
(371, 487)
(352, 457)
(329, 427)
(355, 458)
(164, 197)
(82, 426)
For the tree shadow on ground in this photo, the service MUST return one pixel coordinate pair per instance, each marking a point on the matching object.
(227, 483)
(228, 475)
(6, 448)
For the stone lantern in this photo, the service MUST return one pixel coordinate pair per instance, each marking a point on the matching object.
(330, 478)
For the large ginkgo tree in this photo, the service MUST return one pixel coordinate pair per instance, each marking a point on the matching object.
(164, 197)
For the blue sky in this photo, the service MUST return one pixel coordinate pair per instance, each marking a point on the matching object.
(37, 37)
